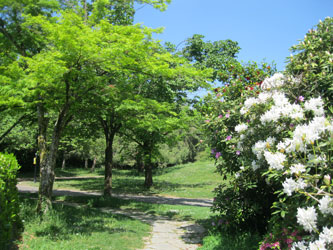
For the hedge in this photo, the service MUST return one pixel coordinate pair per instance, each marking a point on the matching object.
(10, 223)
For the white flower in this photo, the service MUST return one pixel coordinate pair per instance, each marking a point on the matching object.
(241, 127)
(307, 217)
(293, 111)
(326, 205)
(301, 184)
(276, 160)
(275, 81)
(316, 105)
(258, 148)
(271, 115)
(297, 168)
(299, 246)
(249, 102)
(280, 99)
(304, 133)
(270, 140)
(289, 186)
(264, 96)
(326, 235)
(317, 245)
(244, 110)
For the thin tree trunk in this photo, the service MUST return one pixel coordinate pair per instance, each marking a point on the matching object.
(148, 171)
(86, 163)
(148, 176)
(48, 163)
(93, 165)
(44, 201)
(108, 167)
(63, 165)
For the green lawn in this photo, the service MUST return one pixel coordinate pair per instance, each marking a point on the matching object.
(78, 228)
(193, 180)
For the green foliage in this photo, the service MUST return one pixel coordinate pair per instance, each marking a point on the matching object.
(212, 55)
(10, 223)
(312, 61)
(236, 202)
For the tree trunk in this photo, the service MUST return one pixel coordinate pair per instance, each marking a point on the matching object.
(93, 165)
(63, 165)
(86, 163)
(148, 171)
(47, 176)
(44, 196)
(48, 160)
(108, 167)
(148, 176)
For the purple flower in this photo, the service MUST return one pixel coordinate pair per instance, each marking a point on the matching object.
(227, 115)
(237, 152)
(300, 98)
(213, 224)
(220, 116)
(218, 154)
(207, 121)
(213, 151)
(248, 121)
(228, 138)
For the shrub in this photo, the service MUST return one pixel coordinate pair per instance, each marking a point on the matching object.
(237, 204)
(287, 143)
(10, 223)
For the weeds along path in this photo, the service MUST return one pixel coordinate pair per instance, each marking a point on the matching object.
(166, 234)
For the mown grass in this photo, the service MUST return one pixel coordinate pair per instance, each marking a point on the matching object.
(192, 180)
(67, 227)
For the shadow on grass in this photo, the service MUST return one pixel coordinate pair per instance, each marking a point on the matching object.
(65, 221)
(128, 185)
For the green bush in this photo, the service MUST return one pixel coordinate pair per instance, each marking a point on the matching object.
(10, 223)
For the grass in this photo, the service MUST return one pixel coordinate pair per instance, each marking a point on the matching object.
(192, 180)
(174, 212)
(79, 228)
(239, 241)
(74, 228)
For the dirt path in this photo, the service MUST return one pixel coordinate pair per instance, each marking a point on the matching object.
(24, 188)
(166, 234)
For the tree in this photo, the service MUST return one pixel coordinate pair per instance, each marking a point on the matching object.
(312, 62)
(150, 123)
(215, 55)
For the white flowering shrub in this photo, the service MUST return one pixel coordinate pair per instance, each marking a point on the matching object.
(288, 143)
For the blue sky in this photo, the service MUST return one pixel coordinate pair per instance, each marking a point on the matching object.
(265, 30)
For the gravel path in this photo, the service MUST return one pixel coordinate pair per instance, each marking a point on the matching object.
(166, 234)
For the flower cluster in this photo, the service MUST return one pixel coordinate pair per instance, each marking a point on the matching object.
(295, 153)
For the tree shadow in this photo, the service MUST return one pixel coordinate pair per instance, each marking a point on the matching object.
(129, 185)
(63, 221)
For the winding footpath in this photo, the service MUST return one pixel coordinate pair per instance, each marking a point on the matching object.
(166, 234)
